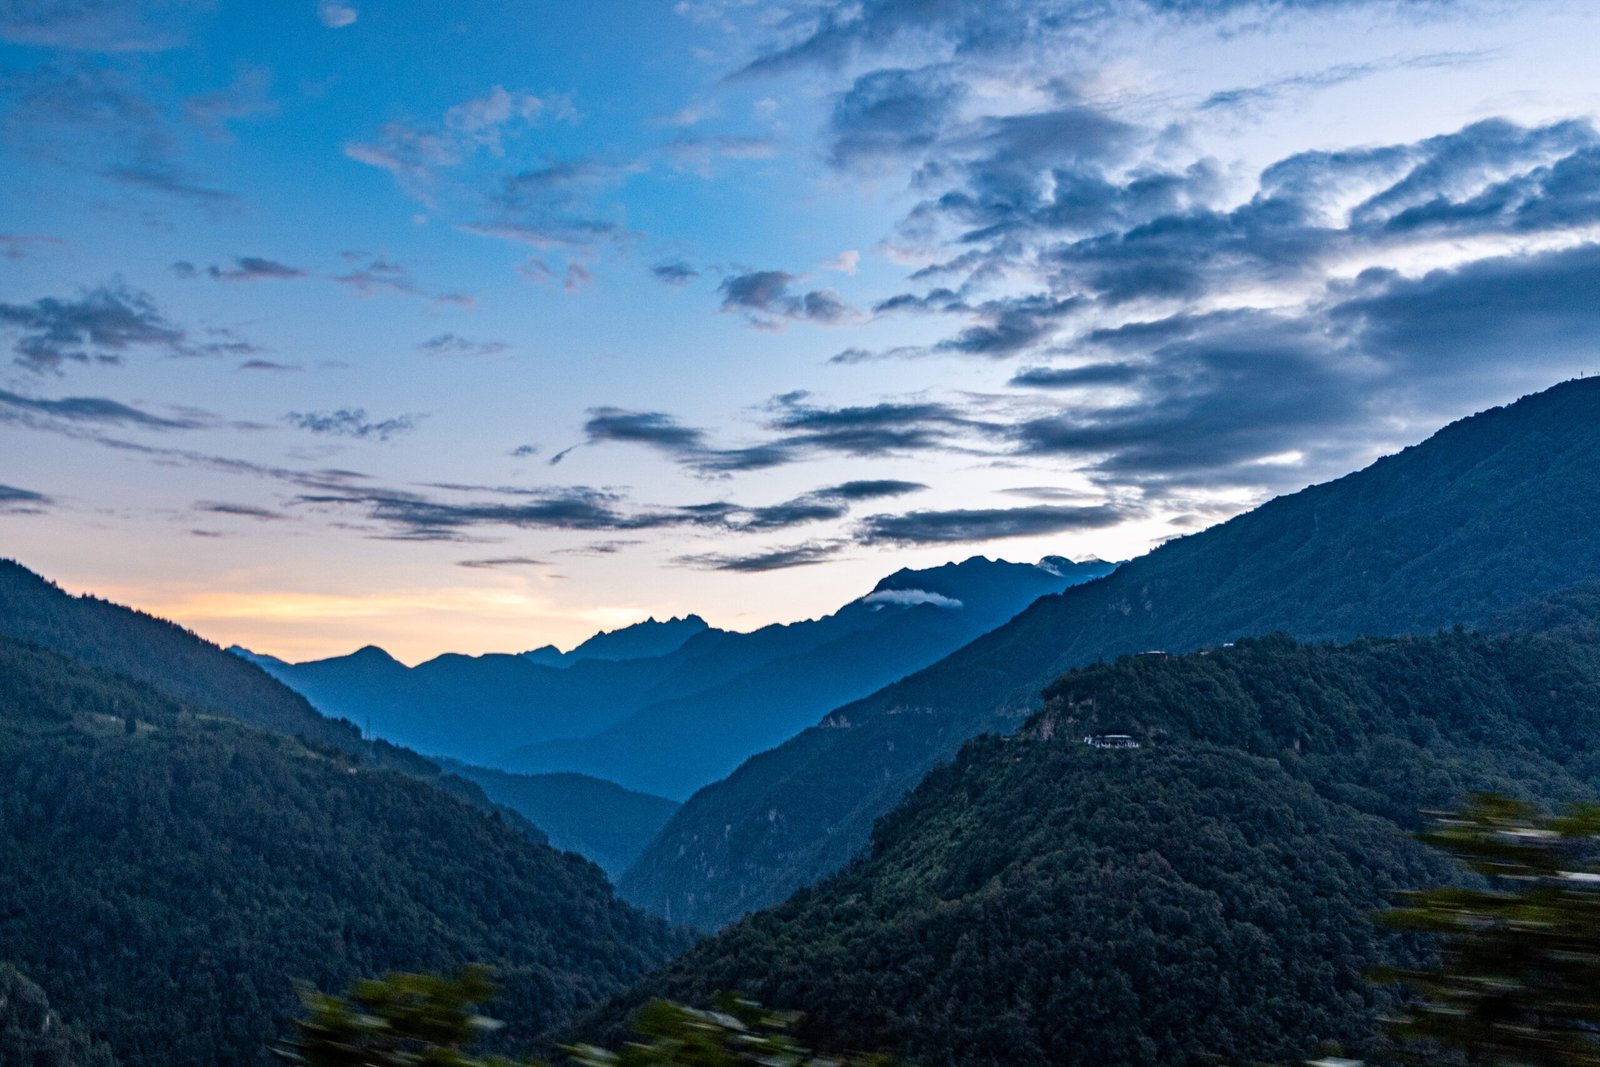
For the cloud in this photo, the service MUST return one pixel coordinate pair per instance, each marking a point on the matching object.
(1086, 376)
(503, 561)
(98, 25)
(551, 207)
(888, 116)
(103, 325)
(243, 511)
(15, 246)
(336, 14)
(910, 598)
(804, 555)
(92, 409)
(352, 422)
(248, 96)
(986, 524)
(765, 296)
(22, 501)
(253, 268)
(268, 365)
(449, 345)
(846, 262)
(868, 430)
(674, 272)
(795, 429)
(416, 154)
(370, 276)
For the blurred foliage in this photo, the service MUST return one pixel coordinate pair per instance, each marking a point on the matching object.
(429, 1020)
(1518, 979)
(165, 886)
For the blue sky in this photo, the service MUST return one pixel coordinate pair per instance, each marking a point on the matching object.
(478, 326)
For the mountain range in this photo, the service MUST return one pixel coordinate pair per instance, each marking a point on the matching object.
(1207, 896)
(184, 838)
(1491, 510)
(668, 722)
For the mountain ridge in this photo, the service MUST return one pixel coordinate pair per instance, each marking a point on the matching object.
(1485, 513)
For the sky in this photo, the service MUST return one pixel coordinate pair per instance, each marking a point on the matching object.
(479, 326)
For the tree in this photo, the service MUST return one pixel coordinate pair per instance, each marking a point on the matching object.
(1518, 981)
(425, 1020)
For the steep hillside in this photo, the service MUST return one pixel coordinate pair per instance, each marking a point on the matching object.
(1043, 901)
(1487, 512)
(596, 819)
(191, 669)
(167, 873)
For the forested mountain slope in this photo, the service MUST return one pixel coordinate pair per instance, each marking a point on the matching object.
(1043, 901)
(191, 669)
(595, 818)
(1489, 511)
(167, 873)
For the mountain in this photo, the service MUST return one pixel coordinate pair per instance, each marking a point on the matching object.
(167, 872)
(33, 1035)
(132, 643)
(596, 819)
(669, 724)
(642, 640)
(1489, 511)
(1208, 894)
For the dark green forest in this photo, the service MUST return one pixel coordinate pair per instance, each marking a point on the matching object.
(32, 1034)
(131, 643)
(168, 873)
(1490, 511)
(1211, 892)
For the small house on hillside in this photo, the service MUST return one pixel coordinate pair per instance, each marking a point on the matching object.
(1110, 741)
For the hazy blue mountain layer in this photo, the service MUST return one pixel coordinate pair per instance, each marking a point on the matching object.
(668, 724)
(597, 819)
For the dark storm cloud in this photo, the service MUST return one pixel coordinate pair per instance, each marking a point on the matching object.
(102, 324)
(987, 524)
(1490, 178)
(91, 409)
(674, 272)
(352, 422)
(1486, 314)
(766, 296)
(769, 560)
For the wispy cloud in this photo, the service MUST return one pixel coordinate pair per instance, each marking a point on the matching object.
(449, 345)
(352, 422)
